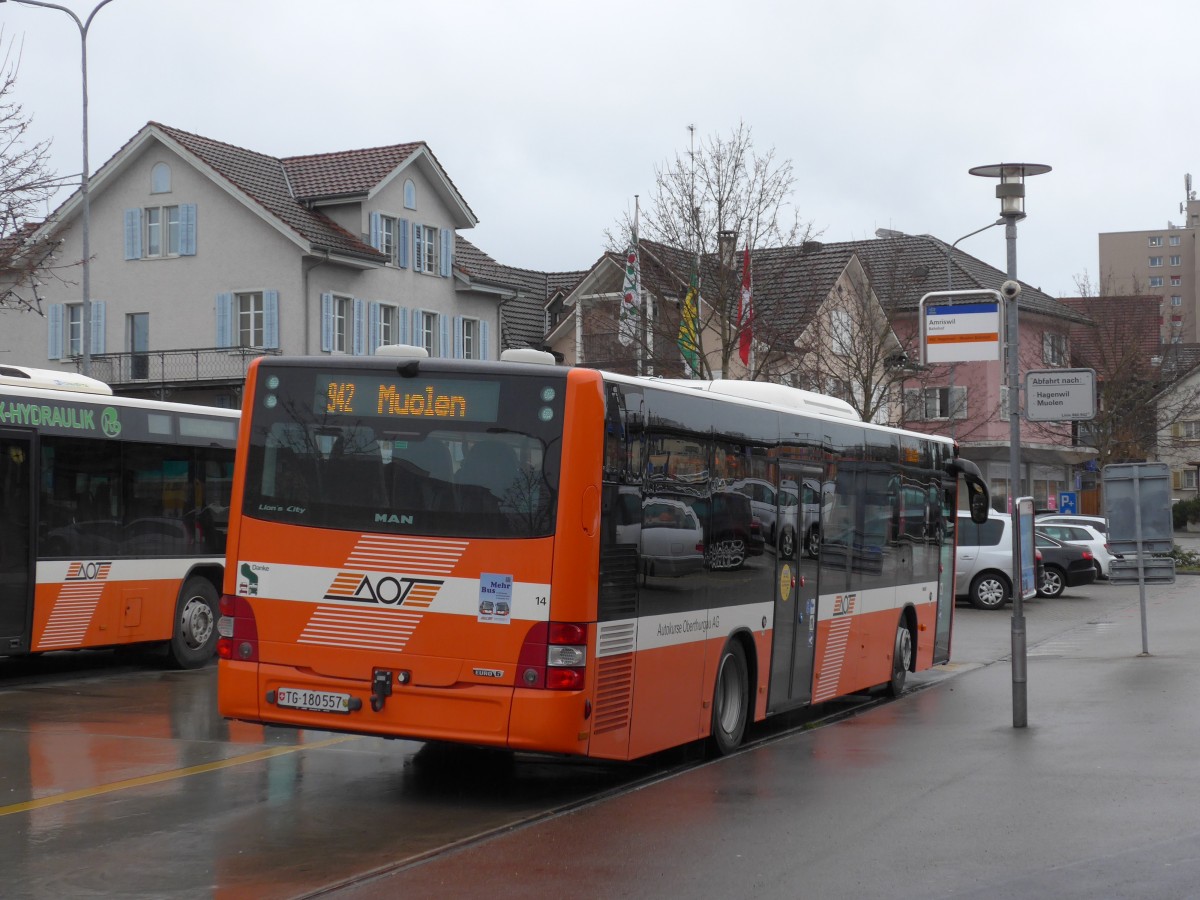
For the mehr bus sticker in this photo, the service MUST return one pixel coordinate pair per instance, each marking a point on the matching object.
(495, 598)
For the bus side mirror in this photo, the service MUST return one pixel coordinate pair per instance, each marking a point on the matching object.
(977, 493)
(977, 499)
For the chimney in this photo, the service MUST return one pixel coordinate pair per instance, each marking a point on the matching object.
(726, 248)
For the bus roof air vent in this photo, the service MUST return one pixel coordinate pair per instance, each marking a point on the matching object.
(527, 355)
(52, 380)
(403, 351)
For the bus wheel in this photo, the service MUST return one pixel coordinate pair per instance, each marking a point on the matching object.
(731, 700)
(195, 634)
(902, 655)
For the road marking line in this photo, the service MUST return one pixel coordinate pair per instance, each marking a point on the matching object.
(84, 793)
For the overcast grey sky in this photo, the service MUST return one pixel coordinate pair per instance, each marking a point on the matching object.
(549, 115)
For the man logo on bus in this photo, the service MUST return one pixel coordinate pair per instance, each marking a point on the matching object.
(389, 590)
(110, 422)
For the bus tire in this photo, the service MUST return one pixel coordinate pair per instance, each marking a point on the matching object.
(731, 700)
(194, 637)
(902, 656)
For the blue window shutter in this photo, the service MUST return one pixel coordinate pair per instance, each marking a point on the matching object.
(404, 243)
(402, 321)
(375, 230)
(360, 337)
(444, 348)
(187, 229)
(372, 326)
(133, 234)
(414, 336)
(447, 252)
(458, 337)
(97, 326)
(327, 322)
(418, 248)
(484, 352)
(225, 320)
(54, 348)
(271, 320)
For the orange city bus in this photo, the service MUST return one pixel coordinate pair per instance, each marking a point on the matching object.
(113, 513)
(566, 560)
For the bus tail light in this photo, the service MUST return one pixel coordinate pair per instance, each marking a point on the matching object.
(554, 657)
(237, 629)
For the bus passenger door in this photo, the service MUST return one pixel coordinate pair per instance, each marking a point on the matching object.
(16, 540)
(944, 536)
(798, 520)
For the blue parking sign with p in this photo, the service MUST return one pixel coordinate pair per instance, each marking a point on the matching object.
(1066, 502)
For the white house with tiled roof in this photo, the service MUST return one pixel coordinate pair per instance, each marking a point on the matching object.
(205, 254)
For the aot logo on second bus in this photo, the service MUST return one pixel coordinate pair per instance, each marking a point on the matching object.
(389, 590)
(88, 571)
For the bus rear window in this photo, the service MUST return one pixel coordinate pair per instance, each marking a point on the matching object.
(466, 457)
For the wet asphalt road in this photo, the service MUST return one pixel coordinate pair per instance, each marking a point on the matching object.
(117, 779)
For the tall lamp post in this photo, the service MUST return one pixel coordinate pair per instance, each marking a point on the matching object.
(86, 324)
(1011, 193)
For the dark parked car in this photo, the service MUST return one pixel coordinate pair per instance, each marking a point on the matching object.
(1062, 566)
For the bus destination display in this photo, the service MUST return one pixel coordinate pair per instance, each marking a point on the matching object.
(356, 395)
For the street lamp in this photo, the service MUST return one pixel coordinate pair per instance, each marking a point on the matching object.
(1011, 193)
(83, 26)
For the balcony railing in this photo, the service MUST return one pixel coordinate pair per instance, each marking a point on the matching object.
(210, 366)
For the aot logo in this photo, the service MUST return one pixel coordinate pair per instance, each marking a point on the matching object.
(88, 571)
(843, 604)
(388, 590)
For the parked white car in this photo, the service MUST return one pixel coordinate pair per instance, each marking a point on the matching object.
(1097, 522)
(1084, 535)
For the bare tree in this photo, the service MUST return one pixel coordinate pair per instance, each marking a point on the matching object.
(26, 185)
(708, 204)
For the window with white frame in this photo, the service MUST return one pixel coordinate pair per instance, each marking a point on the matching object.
(160, 179)
(1156, 281)
(410, 194)
(426, 331)
(389, 325)
(1176, 300)
(470, 338)
(840, 332)
(1156, 262)
(936, 403)
(251, 313)
(343, 324)
(1054, 349)
(158, 232)
(74, 328)
(1176, 259)
(1185, 480)
(425, 249)
(1176, 280)
(162, 230)
(388, 243)
(1156, 240)
(1188, 431)
(1174, 239)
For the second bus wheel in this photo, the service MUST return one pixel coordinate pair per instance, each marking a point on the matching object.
(194, 636)
(902, 658)
(731, 700)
